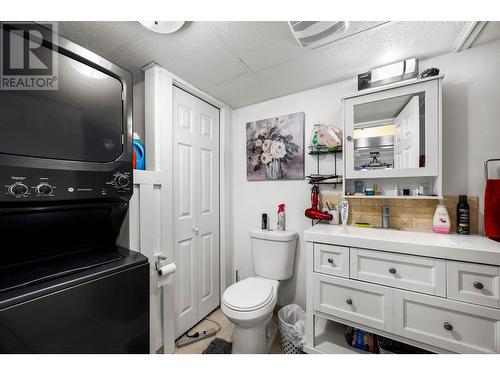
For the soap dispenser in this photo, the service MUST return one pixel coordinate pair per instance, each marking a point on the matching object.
(441, 222)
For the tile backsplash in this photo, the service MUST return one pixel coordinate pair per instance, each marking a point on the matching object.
(410, 214)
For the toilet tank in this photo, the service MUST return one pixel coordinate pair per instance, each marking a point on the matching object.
(273, 253)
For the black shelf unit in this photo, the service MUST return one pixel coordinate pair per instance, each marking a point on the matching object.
(322, 179)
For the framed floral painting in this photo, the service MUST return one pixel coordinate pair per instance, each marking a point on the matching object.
(275, 148)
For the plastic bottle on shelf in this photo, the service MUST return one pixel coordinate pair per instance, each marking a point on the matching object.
(139, 152)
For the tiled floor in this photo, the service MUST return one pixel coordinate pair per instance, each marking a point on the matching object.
(225, 333)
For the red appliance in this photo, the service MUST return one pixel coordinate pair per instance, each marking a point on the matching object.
(492, 205)
(313, 212)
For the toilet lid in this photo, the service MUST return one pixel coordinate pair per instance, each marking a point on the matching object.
(249, 294)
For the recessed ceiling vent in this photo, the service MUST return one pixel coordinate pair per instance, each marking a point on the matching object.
(317, 33)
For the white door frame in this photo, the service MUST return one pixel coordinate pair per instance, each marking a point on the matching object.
(159, 93)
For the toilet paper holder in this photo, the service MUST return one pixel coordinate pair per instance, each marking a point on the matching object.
(162, 267)
(160, 262)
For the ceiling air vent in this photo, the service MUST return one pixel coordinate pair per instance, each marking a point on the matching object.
(317, 33)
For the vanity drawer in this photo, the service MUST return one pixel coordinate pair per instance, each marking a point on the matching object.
(355, 301)
(455, 326)
(332, 260)
(476, 283)
(420, 274)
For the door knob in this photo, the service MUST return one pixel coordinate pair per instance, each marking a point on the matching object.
(195, 228)
(349, 301)
(349, 138)
(392, 270)
(330, 260)
(448, 326)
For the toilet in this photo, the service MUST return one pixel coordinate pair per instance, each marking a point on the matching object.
(249, 303)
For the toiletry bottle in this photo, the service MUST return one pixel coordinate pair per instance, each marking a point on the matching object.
(441, 222)
(264, 221)
(396, 189)
(281, 217)
(463, 215)
(343, 206)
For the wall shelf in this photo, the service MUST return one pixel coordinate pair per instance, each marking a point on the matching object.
(338, 150)
(322, 179)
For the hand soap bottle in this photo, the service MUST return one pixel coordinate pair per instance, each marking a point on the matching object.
(441, 222)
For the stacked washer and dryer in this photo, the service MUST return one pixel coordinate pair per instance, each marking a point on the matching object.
(66, 179)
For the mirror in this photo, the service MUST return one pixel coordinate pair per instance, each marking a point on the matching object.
(390, 133)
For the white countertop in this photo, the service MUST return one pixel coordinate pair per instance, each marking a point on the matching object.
(473, 248)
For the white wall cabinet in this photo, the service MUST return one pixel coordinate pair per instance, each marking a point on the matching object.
(196, 208)
(395, 133)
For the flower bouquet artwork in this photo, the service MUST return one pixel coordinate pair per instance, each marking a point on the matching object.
(275, 148)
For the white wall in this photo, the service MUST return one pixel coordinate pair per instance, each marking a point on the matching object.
(251, 199)
(471, 117)
(471, 132)
(138, 110)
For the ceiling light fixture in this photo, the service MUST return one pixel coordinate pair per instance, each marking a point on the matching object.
(163, 27)
(317, 33)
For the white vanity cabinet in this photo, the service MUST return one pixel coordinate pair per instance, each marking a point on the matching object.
(436, 292)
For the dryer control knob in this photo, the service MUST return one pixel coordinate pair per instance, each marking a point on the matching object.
(18, 189)
(122, 180)
(43, 189)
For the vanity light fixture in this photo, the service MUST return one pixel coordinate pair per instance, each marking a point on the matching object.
(386, 74)
(163, 27)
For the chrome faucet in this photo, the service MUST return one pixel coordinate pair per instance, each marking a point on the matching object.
(385, 217)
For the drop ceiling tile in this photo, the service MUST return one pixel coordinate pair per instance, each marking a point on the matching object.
(194, 54)
(263, 44)
(242, 90)
(103, 38)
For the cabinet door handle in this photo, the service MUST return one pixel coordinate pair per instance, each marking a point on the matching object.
(349, 138)
(392, 270)
(448, 326)
(195, 228)
(349, 301)
(330, 260)
(478, 285)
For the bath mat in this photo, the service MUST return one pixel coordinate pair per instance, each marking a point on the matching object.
(218, 346)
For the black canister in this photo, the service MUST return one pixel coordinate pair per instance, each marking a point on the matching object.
(264, 221)
(463, 215)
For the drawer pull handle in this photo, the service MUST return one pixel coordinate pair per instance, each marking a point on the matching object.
(478, 285)
(448, 326)
(330, 260)
(392, 270)
(349, 301)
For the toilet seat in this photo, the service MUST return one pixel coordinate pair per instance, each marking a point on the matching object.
(250, 294)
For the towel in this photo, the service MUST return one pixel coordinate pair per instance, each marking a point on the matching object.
(492, 209)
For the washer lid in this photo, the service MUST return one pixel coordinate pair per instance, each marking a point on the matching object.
(248, 295)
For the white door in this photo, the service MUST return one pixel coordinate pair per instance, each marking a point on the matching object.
(196, 209)
(407, 139)
(208, 208)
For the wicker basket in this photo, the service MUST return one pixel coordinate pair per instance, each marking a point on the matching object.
(291, 339)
